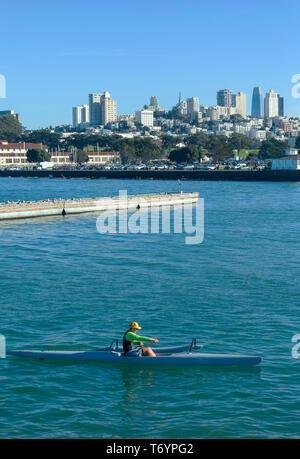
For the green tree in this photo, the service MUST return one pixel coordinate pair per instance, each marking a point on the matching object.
(187, 154)
(272, 149)
(170, 141)
(79, 156)
(138, 149)
(239, 142)
(200, 140)
(219, 148)
(10, 128)
(43, 136)
(35, 155)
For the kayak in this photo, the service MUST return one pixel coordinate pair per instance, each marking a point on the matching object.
(158, 350)
(166, 359)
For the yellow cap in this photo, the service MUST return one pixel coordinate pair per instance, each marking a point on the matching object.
(135, 325)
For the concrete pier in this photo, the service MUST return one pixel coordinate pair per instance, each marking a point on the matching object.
(30, 209)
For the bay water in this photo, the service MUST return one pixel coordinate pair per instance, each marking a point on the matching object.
(65, 286)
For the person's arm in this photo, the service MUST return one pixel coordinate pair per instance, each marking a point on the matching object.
(136, 339)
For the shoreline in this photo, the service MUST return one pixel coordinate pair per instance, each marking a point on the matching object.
(201, 175)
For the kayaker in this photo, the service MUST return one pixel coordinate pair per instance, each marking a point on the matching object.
(133, 343)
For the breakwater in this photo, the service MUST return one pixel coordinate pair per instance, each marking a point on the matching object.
(30, 209)
(205, 175)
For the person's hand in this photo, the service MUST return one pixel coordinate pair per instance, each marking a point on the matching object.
(155, 340)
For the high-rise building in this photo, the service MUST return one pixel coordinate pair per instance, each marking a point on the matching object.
(280, 106)
(108, 109)
(239, 102)
(257, 110)
(271, 104)
(95, 108)
(192, 107)
(103, 109)
(224, 97)
(81, 114)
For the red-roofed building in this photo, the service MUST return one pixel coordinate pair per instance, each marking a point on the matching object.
(14, 154)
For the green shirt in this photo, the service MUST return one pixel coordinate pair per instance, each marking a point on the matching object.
(136, 339)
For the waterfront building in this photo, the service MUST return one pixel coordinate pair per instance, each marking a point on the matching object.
(144, 117)
(15, 154)
(291, 161)
(271, 104)
(224, 97)
(100, 158)
(257, 110)
(192, 108)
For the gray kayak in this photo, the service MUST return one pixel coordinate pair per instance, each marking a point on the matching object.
(187, 359)
(158, 350)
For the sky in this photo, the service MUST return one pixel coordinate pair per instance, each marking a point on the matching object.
(53, 54)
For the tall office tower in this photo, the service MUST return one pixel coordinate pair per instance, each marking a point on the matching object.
(81, 114)
(95, 108)
(224, 97)
(239, 102)
(271, 104)
(257, 110)
(192, 105)
(108, 109)
(280, 106)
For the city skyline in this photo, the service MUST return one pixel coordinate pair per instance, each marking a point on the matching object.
(269, 106)
(48, 75)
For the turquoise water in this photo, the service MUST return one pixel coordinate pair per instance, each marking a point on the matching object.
(63, 285)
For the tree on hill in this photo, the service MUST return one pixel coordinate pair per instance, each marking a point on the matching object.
(219, 148)
(272, 149)
(240, 141)
(200, 139)
(35, 155)
(43, 136)
(10, 128)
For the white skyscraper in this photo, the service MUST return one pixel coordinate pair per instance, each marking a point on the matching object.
(192, 107)
(81, 114)
(271, 104)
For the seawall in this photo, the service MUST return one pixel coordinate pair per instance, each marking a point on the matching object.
(204, 175)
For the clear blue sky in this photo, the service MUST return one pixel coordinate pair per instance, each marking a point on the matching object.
(54, 53)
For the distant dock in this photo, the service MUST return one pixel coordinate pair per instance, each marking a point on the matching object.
(31, 209)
